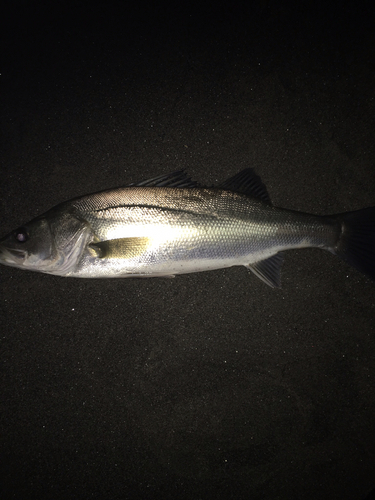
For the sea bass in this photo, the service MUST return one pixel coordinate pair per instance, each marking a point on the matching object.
(170, 225)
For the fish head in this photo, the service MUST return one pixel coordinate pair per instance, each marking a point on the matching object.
(29, 246)
(50, 243)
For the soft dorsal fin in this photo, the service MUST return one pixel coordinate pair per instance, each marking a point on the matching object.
(178, 179)
(268, 270)
(249, 183)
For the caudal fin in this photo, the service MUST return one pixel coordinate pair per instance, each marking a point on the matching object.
(357, 242)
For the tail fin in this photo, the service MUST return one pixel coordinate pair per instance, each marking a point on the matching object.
(357, 241)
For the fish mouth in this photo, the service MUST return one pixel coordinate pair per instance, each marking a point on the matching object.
(12, 256)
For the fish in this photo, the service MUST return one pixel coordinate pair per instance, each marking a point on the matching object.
(171, 225)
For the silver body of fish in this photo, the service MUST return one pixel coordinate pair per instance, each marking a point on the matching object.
(169, 225)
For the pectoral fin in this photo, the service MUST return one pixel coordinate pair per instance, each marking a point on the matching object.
(121, 248)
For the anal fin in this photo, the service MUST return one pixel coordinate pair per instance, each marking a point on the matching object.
(268, 270)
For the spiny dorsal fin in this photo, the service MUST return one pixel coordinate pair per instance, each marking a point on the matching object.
(249, 183)
(268, 270)
(178, 179)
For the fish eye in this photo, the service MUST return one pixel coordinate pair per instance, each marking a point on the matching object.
(21, 235)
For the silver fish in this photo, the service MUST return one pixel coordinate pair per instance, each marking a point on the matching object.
(170, 225)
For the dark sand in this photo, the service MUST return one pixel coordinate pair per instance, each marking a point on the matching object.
(210, 385)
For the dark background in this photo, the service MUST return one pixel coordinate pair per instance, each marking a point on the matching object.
(210, 385)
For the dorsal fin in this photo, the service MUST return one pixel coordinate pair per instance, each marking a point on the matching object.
(178, 179)
(249, 183)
